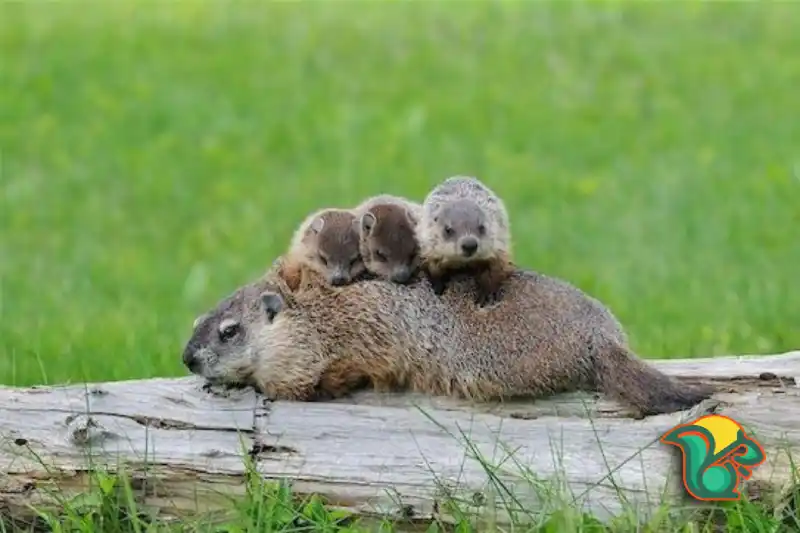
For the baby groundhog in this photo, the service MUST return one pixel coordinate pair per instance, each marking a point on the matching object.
(465, 229)
(326, 243)
(324, 342)
(388, 236)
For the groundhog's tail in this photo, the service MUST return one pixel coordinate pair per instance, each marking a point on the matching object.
(625, 377)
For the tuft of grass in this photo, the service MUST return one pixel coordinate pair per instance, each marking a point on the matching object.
(154, 156)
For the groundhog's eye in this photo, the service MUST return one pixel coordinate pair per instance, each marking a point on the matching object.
(228, 330)
(380, 256)
(448, 231)
(323, 260)
(481, 229)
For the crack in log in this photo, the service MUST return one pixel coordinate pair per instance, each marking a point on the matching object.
(741, 384)
(759, 381)
(151, 421)
(167, 423)
(24, 488)
(162, 423)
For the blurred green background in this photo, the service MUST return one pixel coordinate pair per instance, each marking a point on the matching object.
(156, 155)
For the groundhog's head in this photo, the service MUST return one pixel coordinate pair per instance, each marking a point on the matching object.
(221, 346)
(332, 246)
(461, 229)
(389, 243)
(243, 339)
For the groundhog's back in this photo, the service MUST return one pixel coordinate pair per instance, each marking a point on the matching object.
(536, 340)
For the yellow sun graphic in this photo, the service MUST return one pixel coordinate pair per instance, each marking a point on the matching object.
(722, 428)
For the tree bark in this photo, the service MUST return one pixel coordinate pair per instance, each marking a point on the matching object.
(399, 454)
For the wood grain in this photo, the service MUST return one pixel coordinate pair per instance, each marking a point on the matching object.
(400, 454)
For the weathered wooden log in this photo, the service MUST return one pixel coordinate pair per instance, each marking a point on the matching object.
(379, 453)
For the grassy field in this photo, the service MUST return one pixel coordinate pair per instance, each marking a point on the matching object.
(157, 155)
(154, 156)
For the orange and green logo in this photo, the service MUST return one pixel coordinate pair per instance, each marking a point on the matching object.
(717, 456)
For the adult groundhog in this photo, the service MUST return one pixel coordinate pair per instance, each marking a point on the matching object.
(388, 233)
(546, 336)
(465, 228)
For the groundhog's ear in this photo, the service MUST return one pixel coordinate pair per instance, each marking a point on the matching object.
(273, 304)
(198, 320)
(412, 217)
(433, 211)
(318, 224)
(367, 222)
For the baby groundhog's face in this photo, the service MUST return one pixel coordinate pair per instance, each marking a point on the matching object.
(221, 345)
(389, 244)
(463, 230)
(334, 248)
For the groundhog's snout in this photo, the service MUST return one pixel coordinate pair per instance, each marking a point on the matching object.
(339, 279)
(401, 275)
(469, 245)
(191, 362)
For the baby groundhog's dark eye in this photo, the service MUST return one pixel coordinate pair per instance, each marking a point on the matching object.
(448, 231)
(380, 256)
(228, 332)
(481, 229)
(323, 260)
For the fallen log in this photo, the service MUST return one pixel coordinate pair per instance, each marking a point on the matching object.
(184, 446)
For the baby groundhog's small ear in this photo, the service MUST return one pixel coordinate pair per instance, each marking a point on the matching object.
(367, 222)
(317, 224)
(198, 320)
(273, 304)
(433, 211)
(290, 273)
(412, 217)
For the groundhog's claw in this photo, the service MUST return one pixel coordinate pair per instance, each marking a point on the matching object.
(485, 298)
(438, 285)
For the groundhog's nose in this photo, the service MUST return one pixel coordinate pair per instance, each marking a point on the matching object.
(401, 275)
(338, 280)
(469, 245)
(189, 359)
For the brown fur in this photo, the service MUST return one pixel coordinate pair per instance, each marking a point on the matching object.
(545, 336)
(388, 240)
(459, 211)
(326, 243)
(489, 276)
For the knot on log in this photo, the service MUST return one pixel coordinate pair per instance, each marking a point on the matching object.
(259, 449)
(706, 407)
(84, 430)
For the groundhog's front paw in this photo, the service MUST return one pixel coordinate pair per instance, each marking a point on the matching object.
(222, 389)
(438, 285)
(486, 298)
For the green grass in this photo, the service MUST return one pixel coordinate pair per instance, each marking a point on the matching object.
(156, 155)
(273, 507)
